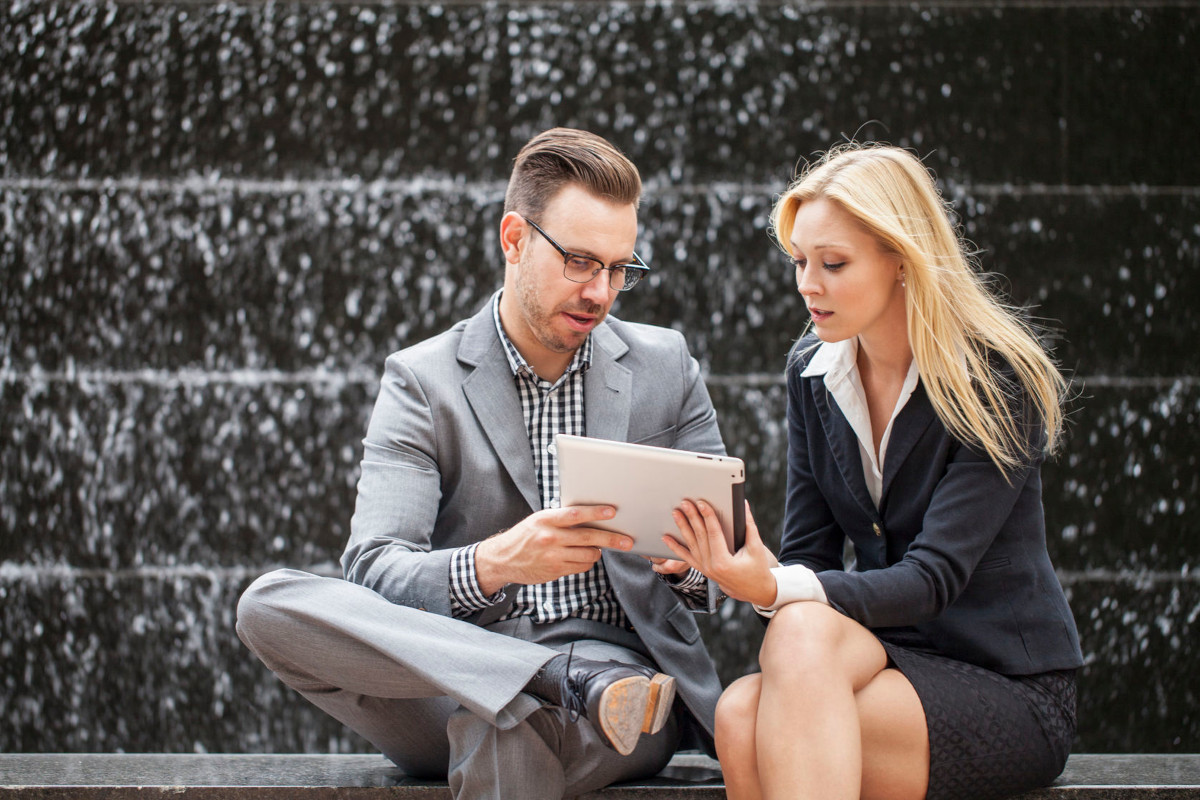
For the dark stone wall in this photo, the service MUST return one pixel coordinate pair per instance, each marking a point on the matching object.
(216, 220)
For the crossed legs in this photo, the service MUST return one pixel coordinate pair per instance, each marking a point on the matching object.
(825, 718)
(441, 698)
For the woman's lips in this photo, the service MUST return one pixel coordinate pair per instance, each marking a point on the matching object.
(818, 315)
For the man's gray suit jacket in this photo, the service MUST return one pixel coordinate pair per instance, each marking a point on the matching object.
(447, 463)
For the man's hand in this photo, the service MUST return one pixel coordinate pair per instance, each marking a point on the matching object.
(544, 547)
(745, 575)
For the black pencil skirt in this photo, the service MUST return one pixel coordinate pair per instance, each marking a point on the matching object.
(990, 735)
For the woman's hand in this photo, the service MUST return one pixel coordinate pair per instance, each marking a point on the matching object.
(745, 575)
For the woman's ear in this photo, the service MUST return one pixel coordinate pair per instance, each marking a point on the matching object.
(512, 236)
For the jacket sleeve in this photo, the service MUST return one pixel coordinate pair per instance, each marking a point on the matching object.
(971, 502)
(967, 501)
(399, 489)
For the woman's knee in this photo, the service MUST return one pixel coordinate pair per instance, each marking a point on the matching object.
(802, 636)
(737, 715)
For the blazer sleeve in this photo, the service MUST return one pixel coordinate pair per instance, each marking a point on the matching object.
(968, 500)
(399, 489)
(971, 502)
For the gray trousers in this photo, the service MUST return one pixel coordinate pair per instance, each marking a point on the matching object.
(440, 697)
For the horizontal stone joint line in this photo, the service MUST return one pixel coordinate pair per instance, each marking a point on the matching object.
(13, 572)
(494, 189)
(368, 377)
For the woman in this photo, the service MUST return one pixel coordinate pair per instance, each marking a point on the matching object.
(942, 664)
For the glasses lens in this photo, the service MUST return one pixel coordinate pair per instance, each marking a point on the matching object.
(580, 269)
(618, 278)
(630, 278)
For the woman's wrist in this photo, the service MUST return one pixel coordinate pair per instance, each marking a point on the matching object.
(766, 591)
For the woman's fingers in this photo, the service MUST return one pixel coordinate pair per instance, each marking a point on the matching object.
(716, 534)
(681, 552)
(751, 525)
(699, 530)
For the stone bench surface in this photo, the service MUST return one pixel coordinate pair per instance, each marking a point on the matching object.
(92, 776)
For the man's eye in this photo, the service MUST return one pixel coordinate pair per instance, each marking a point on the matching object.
(583, 265)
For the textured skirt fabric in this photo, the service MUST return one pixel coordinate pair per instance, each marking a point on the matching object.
(990, 735)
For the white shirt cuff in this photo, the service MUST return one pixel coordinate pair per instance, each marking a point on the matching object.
(793, 583)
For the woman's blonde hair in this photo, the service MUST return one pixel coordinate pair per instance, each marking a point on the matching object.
(954, 319)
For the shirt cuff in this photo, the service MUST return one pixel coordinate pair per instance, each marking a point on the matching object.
(691, 583)
(465, 595)
(793, 583)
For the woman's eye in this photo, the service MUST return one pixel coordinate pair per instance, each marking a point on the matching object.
(834, 267)
(799, 263)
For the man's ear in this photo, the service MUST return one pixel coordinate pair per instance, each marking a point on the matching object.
(512, 236)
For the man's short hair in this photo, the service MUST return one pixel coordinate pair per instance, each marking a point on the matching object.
(561, 156)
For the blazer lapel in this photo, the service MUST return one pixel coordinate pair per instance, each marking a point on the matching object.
(844, 445)
(910, 425)
(492, 394)
(607, 388)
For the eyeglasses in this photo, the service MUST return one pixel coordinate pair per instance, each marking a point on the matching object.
(582, 269)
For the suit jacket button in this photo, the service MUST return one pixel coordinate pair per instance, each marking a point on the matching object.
(875, 527)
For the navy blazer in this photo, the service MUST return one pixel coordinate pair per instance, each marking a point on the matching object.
(955, 550)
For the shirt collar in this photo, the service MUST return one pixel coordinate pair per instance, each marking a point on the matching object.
(835, 359)
(517, 362)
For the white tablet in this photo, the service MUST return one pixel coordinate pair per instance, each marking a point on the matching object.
(646, 483)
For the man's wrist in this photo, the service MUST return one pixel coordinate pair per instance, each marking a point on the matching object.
(465, 591)
(487, 575)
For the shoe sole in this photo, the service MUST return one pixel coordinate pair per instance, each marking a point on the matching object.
(624, 708)
(658, 707)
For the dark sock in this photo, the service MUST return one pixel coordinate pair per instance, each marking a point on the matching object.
(548, 682)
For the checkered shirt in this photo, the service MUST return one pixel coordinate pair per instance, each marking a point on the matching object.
(549, 409)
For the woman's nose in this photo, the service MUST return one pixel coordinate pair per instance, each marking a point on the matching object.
(805, 283)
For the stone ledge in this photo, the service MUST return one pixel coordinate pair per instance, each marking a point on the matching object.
(60, 776)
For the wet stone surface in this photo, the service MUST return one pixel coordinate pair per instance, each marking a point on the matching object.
(143, 662)
(216, 220)
(693, 91)
(192, 277)
(120, 476)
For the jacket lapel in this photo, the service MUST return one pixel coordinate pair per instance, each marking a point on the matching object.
(910, 425)
(607, 387)
(843, 444)
(492, 394)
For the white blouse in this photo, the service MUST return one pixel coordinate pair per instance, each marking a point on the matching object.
(838, 363)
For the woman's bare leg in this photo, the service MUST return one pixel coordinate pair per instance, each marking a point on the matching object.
(817, 668)
(895, 739)
(737, 718)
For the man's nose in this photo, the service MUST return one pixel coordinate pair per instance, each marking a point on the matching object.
(597, 290)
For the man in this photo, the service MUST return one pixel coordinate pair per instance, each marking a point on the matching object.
(483, 634)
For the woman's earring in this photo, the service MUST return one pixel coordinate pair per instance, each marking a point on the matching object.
(903, 285)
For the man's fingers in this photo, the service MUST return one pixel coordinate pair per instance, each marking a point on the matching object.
(569, 516)
(594, 537)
